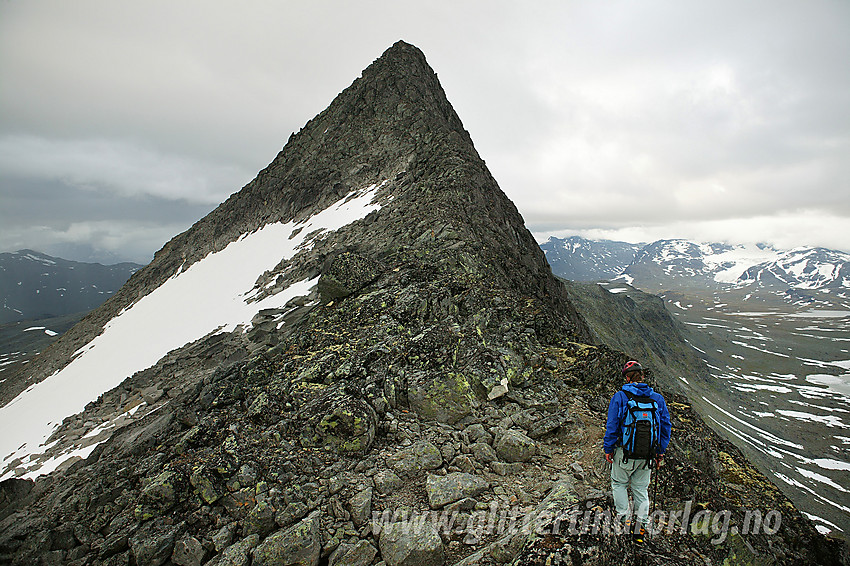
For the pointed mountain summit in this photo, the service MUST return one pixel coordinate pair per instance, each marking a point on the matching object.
(366, 329)
(393, 128)
(386, 177)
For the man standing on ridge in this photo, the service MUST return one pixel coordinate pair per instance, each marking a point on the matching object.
(636, 435)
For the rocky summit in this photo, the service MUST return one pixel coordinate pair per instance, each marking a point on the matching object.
(401, 381)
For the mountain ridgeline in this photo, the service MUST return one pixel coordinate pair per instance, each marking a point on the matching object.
(579, 259)
(407, 352)
(682, 265)
(35, 286)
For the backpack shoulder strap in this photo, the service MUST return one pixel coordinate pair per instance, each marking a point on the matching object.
(624, 417)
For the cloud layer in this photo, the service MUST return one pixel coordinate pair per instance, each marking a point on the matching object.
(715, 121)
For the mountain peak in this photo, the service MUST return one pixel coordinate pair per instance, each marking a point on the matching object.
(399, 59)
(385, 180)
(400, 84)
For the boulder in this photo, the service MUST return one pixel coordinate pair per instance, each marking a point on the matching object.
(153, 544)
(477, 433)
(386, 482)
(464, 463)
(236, 554)
(498, 390)
(361, 507)
(416, 458)
(132, 441)
(402, 545)
(514, 446)
(161, 490)
(442, 490)
(151, 394)
(298, 545)
(204, 486)
(483, 452)
(340, 422)
(444, 397)
(260, 520)
(294, 511)
(561, 497)
(188, 551)
(360, 554)
(223, 538)
(345, 274)
(259, 405)
(548, 424)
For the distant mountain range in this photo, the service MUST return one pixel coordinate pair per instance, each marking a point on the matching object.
(43, 296)
(682, 265)
(578, 259)
(35, 286)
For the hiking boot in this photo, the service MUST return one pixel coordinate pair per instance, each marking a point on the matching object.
(639, 534)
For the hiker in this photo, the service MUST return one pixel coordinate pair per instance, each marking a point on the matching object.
(636, 436)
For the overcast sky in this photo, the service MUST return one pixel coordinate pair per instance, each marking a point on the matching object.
(122, 123)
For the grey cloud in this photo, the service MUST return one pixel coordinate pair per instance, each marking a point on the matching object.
(54, 217)
(118, 167)
(591, 115)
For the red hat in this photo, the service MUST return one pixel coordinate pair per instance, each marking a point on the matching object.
(631, 366)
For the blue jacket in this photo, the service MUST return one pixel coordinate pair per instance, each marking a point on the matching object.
(617, 412)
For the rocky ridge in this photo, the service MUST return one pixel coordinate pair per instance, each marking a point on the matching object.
(437, 366)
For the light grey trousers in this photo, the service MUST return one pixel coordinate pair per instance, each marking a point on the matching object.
(635, 473)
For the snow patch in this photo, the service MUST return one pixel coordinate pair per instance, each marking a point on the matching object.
(820, 478)
(830, 464)
(828, 420)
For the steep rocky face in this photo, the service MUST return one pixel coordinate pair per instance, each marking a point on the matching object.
(392, 127)
(434, 365)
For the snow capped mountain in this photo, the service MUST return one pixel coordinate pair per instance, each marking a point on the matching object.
(802, 268)
(682, 264)
(685, 264)
(589, 260)
(670, 259)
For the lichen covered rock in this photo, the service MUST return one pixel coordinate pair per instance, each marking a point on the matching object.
(445, 397)
(442, 490)
(298, 545)
(422, 455)
(347, 273)
(340, 422)
(404, 546)
(514, 446)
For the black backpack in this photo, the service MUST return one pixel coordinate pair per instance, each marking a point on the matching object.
(641, 429)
